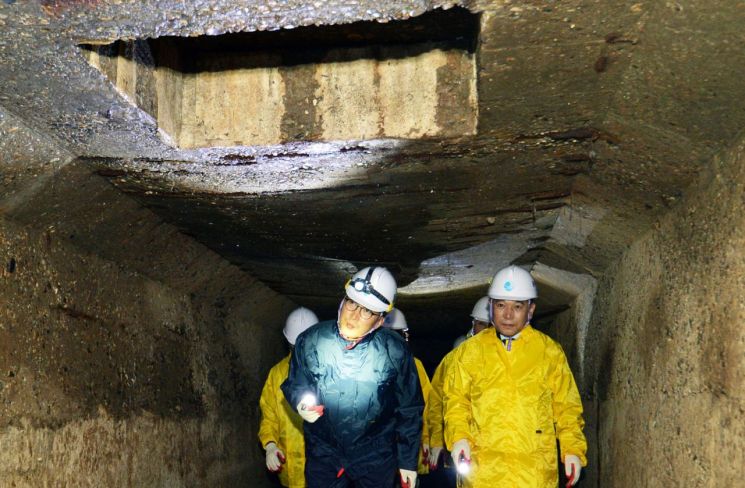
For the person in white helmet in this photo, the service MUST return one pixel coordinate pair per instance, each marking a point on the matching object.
(396, 321)
(511, 395)
(434, 413)
(281, 428)
(480, 318)
(355, 385)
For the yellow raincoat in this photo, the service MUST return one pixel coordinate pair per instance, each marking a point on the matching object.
(433, 414)
(422, 467)
(281, 424)
(511, 407)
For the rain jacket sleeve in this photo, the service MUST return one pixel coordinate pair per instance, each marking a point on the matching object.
(567, 407)
(298, 383)
(269, 426)
(282, 425)
(426, 390)
(410, 405)
(457, 400)
(433, 411)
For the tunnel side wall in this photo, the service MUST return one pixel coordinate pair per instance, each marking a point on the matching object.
(111, 378)
(130, 355)
(669, 344)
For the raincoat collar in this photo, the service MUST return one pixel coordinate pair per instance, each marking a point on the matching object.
(514, 337)
(524, 335)
(527, 333)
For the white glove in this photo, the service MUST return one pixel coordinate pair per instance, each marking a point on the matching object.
(434, 456)
(572, 468)
(274, 457)
(309, 413)
(425, 452)
(408, 478)
(461, 446)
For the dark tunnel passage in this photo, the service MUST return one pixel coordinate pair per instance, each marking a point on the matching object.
(177, 177)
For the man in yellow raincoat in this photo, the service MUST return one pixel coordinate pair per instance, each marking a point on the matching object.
(396, 321)
(510, 395)
(281, 428)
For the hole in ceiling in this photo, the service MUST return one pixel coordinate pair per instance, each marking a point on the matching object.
(405, 79)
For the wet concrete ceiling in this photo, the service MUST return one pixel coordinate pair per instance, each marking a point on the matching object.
(593, 117)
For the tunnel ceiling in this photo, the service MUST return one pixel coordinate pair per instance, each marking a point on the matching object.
(551, 132)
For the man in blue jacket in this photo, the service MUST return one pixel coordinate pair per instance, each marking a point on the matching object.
(356, 386)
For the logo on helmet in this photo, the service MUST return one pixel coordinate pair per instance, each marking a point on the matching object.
(508, 285)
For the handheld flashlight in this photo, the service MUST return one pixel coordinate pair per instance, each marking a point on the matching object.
(462, 468)
(309, 403)
(464, 465)
(308, 400)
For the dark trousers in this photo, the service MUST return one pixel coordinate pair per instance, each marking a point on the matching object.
(442, 477)
(370, 472)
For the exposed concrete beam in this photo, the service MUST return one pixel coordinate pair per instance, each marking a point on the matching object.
(582, 287)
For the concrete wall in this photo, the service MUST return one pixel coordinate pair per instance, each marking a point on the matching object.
(668, 344)
(27, 158)
(258, 97)
(570, 329)
(130, 355)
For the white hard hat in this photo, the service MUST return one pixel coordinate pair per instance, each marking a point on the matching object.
(299, 320)
(395, 320)
(459, 340)
(512, 283)
(481, 310)
(374, 288)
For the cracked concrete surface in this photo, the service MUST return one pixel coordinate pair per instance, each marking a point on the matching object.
(588, 105)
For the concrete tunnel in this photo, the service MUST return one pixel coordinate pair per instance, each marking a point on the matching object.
(176, 177)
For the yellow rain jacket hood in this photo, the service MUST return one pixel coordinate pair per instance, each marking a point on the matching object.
(281, 424)
(511, 407)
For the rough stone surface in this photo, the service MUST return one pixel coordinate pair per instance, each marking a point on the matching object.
(130, 354)
(600, 113)
(106, 20)
(594, 118)
(142, 450)
(27, 159)
(668, 348)
(111, 377)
